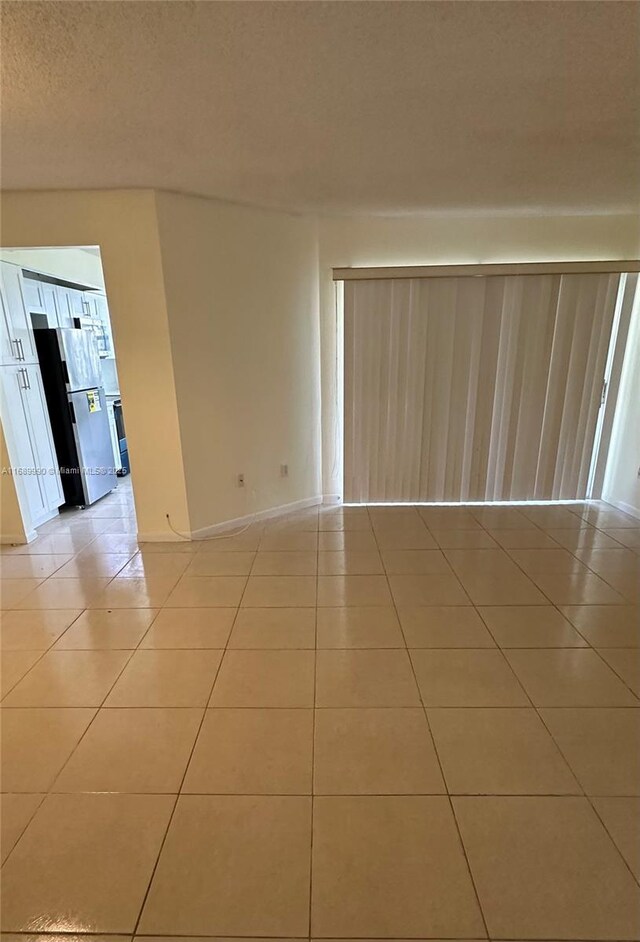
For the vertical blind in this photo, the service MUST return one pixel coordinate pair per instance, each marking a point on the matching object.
(461, 389)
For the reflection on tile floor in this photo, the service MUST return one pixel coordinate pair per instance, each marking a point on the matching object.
(350, 723)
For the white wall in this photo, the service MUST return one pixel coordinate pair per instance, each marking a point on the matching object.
(446, 239)
(622, 477)
(242, 296)
(124, 225)
(224, 323)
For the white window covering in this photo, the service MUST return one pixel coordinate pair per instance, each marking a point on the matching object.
(461, 389)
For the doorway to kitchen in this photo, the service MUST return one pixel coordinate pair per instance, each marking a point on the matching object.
(62, 416)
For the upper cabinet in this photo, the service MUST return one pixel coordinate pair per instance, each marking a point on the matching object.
(33, 296)
(78, 304)
(58, 303)
(50, 304)
(98, 313)
(16, 342)
(66, 305)
(23, 297)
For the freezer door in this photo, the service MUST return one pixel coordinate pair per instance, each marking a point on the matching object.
(78, 350)
(93, 441)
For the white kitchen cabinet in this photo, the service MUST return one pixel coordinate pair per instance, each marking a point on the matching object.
(40, 298)
(98, 312)
(63, 308)
(17, 342)
(50, 303)
(43, 445)
(77, 302)
(71, 304)
(8, 342)
(33, 295)
(29, 441)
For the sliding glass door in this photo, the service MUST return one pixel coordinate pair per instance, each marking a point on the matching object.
(472, 389)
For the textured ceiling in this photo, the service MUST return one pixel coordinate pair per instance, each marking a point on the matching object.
(347, 106)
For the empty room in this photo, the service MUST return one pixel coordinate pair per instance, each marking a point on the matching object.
(320, 479)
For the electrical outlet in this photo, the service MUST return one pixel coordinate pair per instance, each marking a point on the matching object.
(241, 480)
(284, 470)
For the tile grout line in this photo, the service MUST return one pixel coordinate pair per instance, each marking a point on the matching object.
(442, 775)
(557, 608)
(587, 797)
(179, 793)
(313, 733)
(590, 799)
(341, 794)
(104, 699)
(557, 744)
(43, 795)
(97, 709)
(41, 653)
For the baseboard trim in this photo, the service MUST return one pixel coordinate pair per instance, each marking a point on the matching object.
(163, 537)
(236, 523)
(623, 506)
(248, 519)
(267, 514)
(332, 499)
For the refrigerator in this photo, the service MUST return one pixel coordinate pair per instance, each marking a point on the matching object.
(72, 379)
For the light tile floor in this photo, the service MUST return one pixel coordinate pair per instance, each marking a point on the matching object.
(394, 723)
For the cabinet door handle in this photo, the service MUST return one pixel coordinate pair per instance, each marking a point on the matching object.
(23, 384)
(19, 342)
(26, 379)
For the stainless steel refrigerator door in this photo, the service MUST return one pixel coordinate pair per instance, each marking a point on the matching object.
(79, 351)
(93, 441)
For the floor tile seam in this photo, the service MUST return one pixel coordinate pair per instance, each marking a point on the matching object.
(592, 647)
(42, 795)
(389, 706)
(590, 568)
(43, 652)
(441, 770)
(449, 571)
(101, 705)
(583, 790)
(316, 938)
(49, 791)
(506, 660)
(603, 530)
(505, 549)
(452, 572)
(591, 573)
(590, 799)
(421, 793)
(561, 753)
(615, 672)
(538, 713)
(313, 741)
(184, 774)
(293, 938)
(557, 608)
